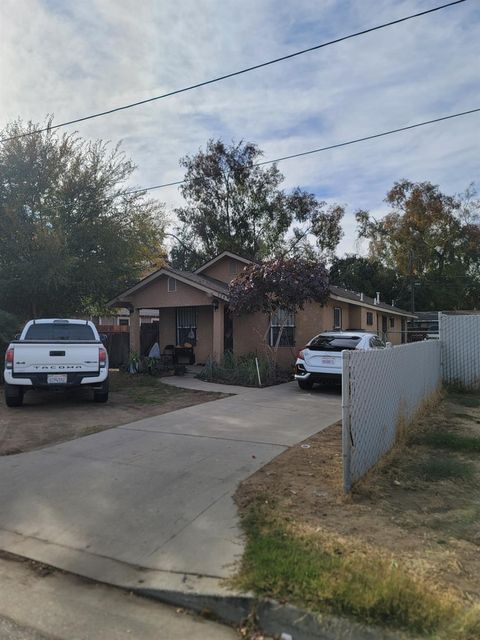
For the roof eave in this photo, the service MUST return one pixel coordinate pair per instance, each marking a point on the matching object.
(375, 307)
(224, 254)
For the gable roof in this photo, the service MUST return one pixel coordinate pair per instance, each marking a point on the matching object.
(204, 283)
(224, 254)
(220, 289)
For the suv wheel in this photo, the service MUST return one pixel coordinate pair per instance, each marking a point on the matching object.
(305, 384)
(13, 395)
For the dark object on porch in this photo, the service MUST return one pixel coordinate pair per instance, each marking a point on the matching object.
(168, 355)
(180, 370)
(184, 354)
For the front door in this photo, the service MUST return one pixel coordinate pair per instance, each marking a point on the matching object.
(384, 327)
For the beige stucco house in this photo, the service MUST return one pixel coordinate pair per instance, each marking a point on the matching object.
(193, 308)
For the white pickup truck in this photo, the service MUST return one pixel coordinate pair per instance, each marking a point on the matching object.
(56, 354)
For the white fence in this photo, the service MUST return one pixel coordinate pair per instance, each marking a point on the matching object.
(380, 389)
(460, 339)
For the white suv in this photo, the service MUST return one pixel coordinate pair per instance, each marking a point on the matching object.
(321, 359)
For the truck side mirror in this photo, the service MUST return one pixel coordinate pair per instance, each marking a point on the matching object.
(17, 336)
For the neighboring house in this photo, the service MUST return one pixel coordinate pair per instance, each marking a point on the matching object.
(424, 326)
(193, 308)
(122, 318)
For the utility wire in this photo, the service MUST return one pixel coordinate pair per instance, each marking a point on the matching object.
(235, 73)
(333, 146)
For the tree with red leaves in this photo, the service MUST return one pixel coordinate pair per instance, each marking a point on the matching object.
(281, 284)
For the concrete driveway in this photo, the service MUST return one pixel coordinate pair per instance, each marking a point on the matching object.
(151, 502)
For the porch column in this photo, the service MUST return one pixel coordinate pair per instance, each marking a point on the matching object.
(218, 331)
(135, 332)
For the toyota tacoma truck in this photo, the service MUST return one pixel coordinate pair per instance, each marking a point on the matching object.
(56, 354)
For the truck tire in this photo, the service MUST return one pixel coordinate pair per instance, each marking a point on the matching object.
(13, 395)
(101, 395)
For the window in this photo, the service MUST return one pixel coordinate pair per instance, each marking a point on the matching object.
(369, 318)
(337, 318)
(187, 326)
(392, 323)
(284, 318)
(233, 267)
(59, 331)
(123, 322)
(333, 343)
(172, 285)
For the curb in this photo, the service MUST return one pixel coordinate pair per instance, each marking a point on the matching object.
(205, 595)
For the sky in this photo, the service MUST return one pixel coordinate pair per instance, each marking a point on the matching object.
(70, 58)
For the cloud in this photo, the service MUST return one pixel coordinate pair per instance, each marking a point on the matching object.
(72, 59)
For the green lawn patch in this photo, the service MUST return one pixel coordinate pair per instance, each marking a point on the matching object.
(466, 399)
(434, 469)
(306, 570)
(451, 441)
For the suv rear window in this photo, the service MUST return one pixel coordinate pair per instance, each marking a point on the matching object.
(334, 343)
(60, 331)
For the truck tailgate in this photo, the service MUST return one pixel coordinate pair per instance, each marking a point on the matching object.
(38, 357)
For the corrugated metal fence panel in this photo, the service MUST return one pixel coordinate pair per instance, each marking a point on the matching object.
(460, 340)
(380, 389)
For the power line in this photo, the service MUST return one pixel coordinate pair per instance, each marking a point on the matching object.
(235, 73)
(333, 146)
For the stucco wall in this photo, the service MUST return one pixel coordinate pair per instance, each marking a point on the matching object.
(248, 331)
(204, 345)
(156, 295)
(221, 269)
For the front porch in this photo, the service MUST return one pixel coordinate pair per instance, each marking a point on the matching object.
(202, 327)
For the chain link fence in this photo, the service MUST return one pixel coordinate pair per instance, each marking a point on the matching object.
(381, 390)
(460, 340)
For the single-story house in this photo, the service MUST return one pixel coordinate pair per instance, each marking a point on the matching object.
(193, 308)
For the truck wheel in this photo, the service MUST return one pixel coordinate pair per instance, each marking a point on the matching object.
(305, 384)
(101, 395)
(13, 395)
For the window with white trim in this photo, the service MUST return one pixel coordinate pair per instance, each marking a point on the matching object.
(233, 265)
(187, 325)
(369, 318)
(286, 319)
(337, 318)
(172, 285)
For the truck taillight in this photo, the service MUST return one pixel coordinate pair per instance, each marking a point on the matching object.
(301, 355)
(102, 357)
(9, 359)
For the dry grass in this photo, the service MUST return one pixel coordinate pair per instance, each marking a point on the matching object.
(402, 550)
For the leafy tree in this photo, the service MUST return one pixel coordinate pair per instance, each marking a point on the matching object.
(69, 229)
(280, 284)
(9, 326)
(234, 203)
(431, 240)
(367, 275)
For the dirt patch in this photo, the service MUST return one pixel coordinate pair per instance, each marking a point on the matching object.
(421, 506)
(48, 418)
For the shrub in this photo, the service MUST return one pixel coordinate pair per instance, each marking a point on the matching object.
(242, 370)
